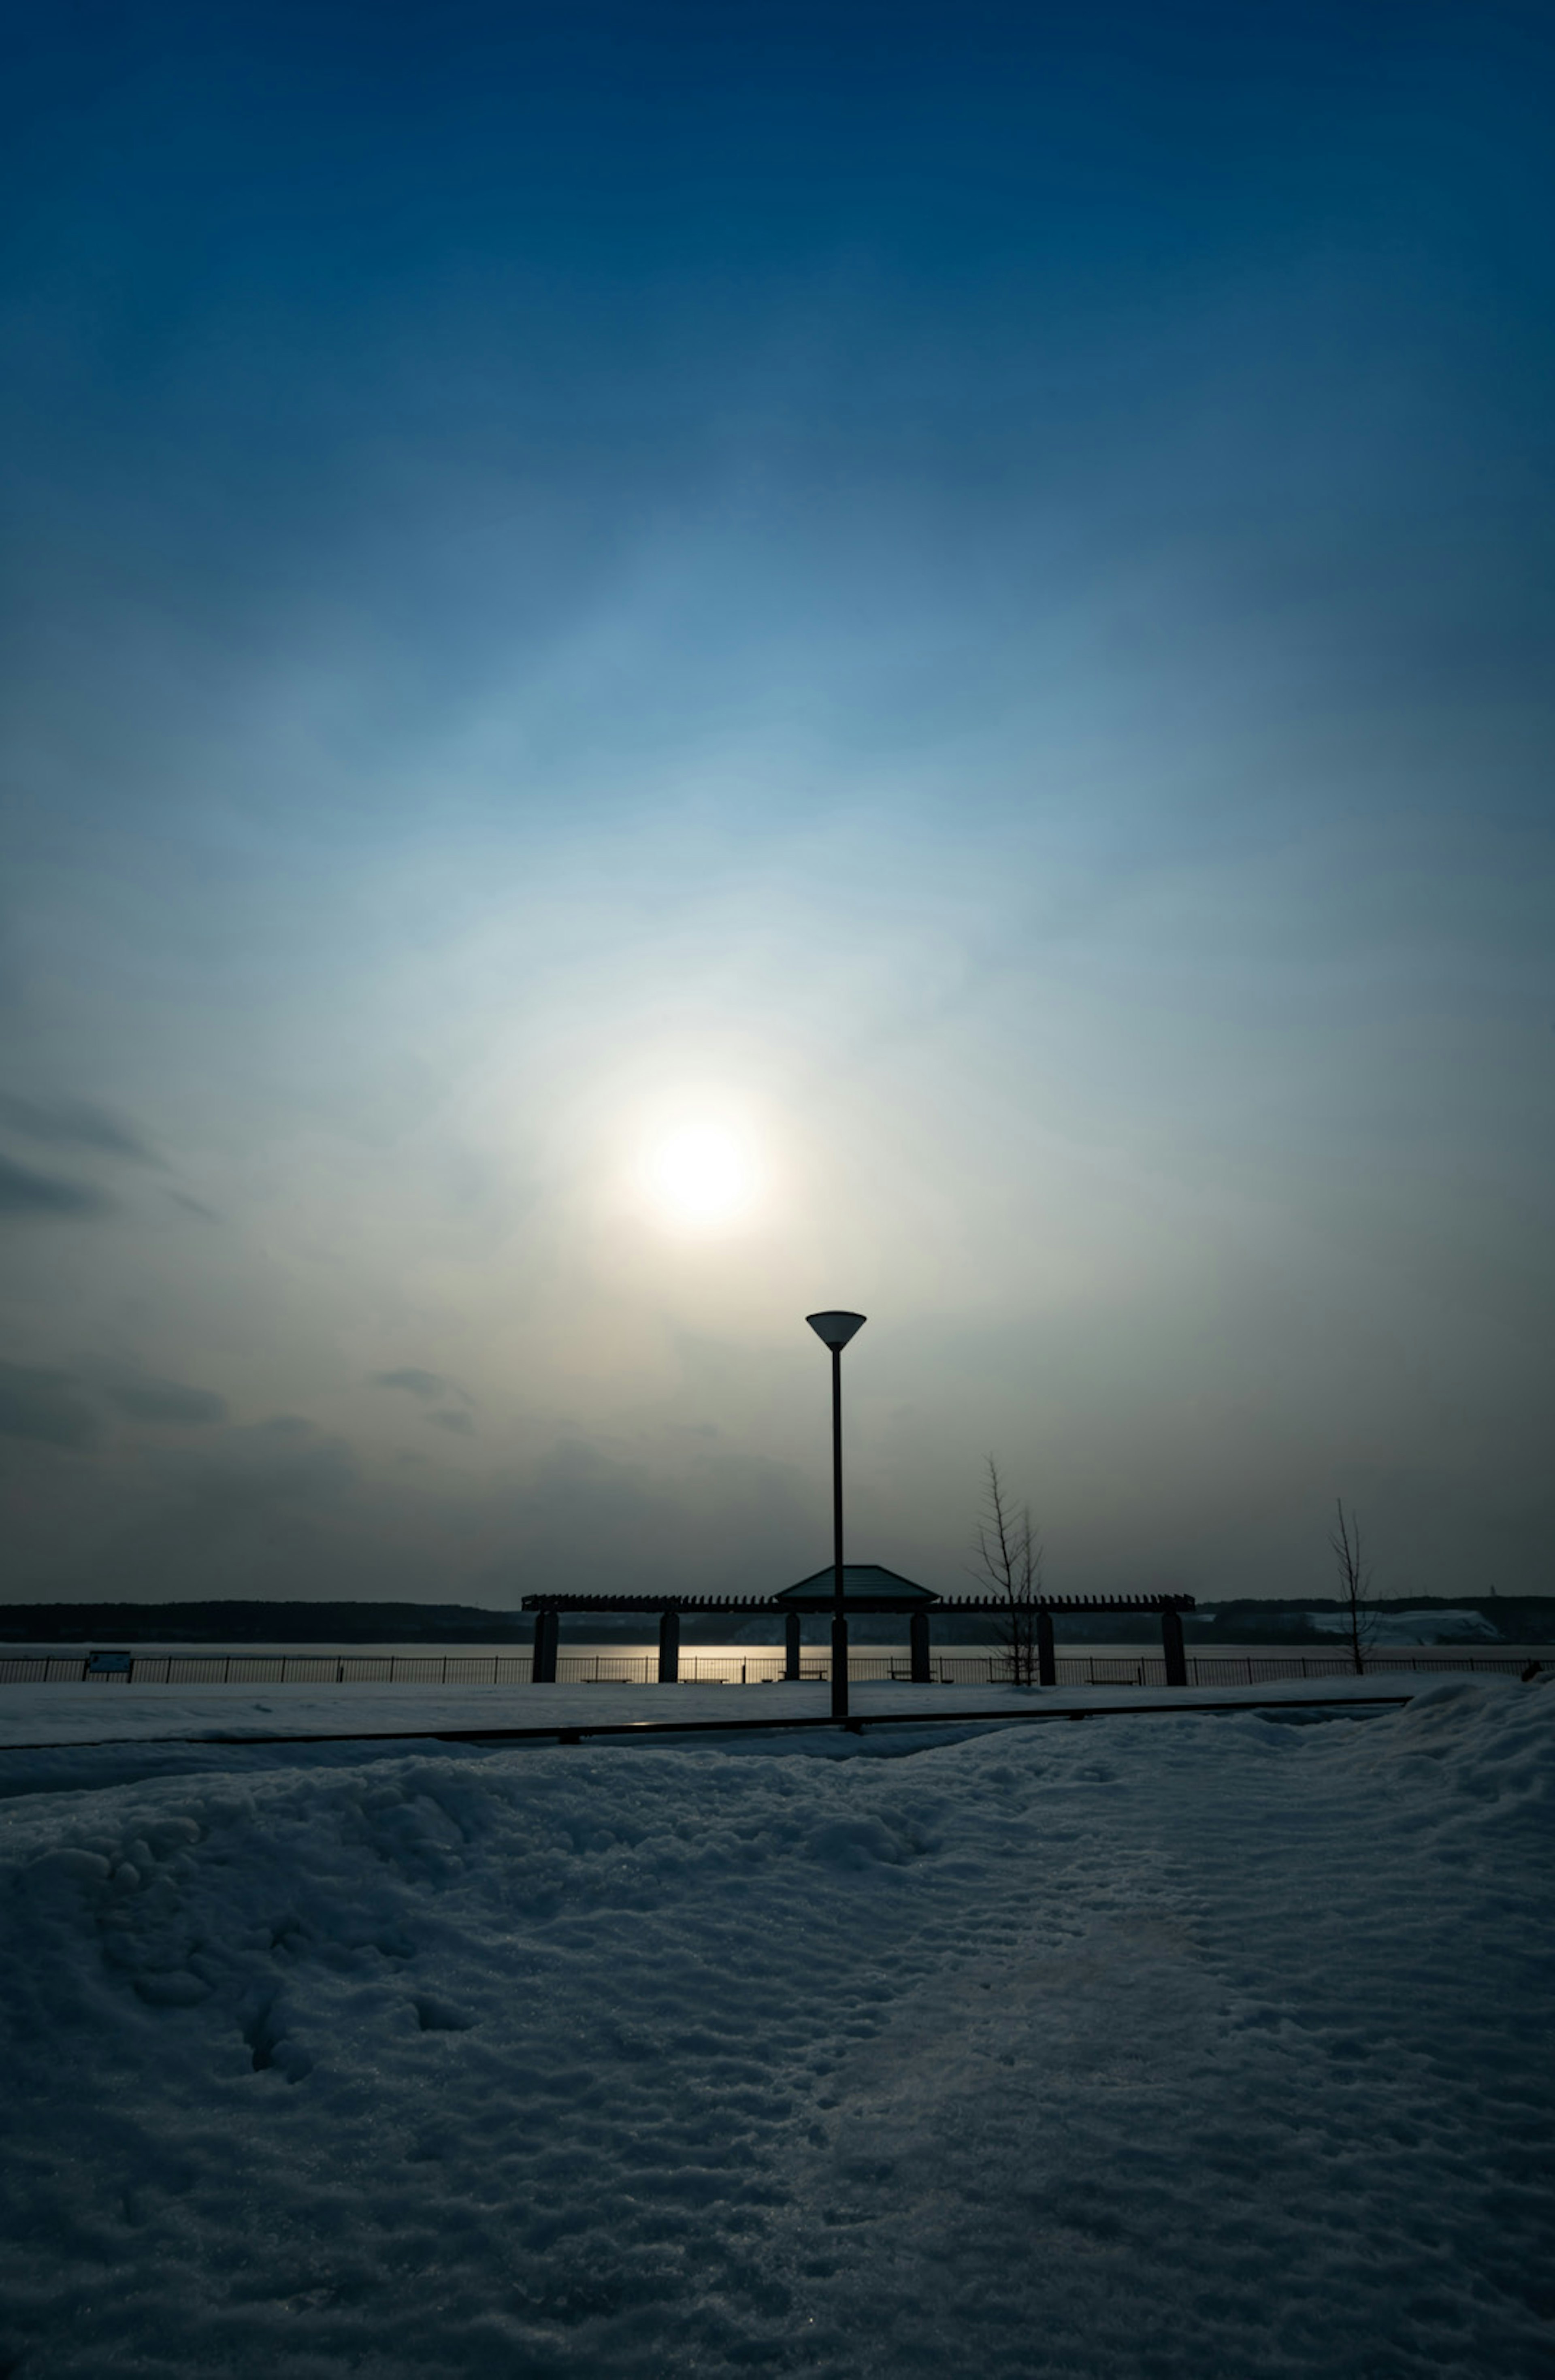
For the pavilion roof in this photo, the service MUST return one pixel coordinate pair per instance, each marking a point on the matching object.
(862, 1582)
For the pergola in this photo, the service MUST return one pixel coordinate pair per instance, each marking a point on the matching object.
(865, 1587)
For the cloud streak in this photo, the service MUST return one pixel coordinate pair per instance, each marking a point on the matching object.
(452, 1404)
(75, 1124)
(26, 1195)
(46, 1406)
(168, 1402)
(427, 1387)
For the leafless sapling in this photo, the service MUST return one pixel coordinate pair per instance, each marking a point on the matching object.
(1355, 1580)
(1010, 1564)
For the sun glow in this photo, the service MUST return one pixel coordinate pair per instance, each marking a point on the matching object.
(699, 1175)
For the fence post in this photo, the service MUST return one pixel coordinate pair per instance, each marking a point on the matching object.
(917, 1636)
(547, 1630)
(669, 1648)
(791, 1628)
(1172, 1645)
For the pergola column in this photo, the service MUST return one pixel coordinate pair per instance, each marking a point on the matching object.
(917, 1636)
(669, 1648)
(1047, 1664)
(793, 1627)
(1172, 1645)
(548, 1629)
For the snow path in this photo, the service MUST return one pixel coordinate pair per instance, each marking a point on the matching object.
(1165, 2046)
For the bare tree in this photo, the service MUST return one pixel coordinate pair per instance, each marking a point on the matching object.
(1355, 1580)
(1010, 1564)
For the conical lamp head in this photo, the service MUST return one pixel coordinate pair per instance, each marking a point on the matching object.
(836, 1329)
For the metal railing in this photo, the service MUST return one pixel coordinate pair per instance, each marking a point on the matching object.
(1217, 1668)
(739, 1668)
(274, 1669)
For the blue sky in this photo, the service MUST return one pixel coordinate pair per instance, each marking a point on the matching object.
(951, 604)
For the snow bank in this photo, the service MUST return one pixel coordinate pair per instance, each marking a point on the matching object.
(1153, 2047)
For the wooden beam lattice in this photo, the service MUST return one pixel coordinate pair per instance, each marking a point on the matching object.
(561, 1600)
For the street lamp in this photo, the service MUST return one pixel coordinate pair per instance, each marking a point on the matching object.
(834, 1330)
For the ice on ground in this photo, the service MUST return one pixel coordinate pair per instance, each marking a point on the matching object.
(1151, 2047)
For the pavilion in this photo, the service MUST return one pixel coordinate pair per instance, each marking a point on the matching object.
(865, 1587)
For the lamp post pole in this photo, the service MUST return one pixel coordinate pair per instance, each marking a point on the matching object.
(839, 1610)
(834, 1329)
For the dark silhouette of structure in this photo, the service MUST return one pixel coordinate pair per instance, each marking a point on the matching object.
(865, 1587)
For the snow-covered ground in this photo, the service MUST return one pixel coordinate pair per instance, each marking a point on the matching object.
(86, 1714)
(1187, 2047)
(1410, 1627)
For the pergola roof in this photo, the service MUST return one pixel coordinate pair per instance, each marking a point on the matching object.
(867, 1586)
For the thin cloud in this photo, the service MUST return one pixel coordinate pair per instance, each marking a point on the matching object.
(44, 1406)
(427, 1386)
(23, 1193)
(194, 1206)
(75, 1124)
(430, 1388)
(169, 1402)
(455, 1418)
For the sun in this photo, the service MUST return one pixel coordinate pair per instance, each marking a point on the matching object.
(699, 1175)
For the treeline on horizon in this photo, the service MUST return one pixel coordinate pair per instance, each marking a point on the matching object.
(255, 1622)
(1519, 1618)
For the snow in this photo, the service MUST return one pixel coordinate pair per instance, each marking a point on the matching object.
(1191, 2045)
(86, 1714)
(1410, 1627)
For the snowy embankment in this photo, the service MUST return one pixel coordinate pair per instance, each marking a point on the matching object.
(1185, 2047)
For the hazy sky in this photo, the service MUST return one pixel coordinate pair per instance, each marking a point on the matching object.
(666, 665)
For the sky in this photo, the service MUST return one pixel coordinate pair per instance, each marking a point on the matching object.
(669, 665)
